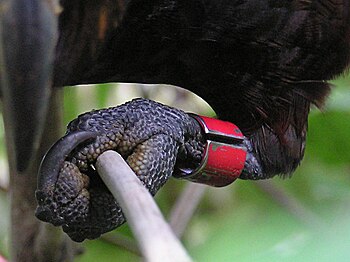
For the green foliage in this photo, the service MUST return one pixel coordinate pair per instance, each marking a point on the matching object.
(4, 224)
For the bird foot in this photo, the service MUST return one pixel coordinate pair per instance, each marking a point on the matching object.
(151, 137)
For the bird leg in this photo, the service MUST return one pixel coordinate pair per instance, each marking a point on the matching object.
(150, 136)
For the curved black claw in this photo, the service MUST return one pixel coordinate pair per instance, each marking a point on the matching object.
(53, 160)
(151, 137)
(49, 172)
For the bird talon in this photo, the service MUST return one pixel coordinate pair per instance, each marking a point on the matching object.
(147, 134)
(52, 169)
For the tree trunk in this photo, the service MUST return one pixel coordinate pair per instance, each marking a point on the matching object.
(32, 240)
(82, 31)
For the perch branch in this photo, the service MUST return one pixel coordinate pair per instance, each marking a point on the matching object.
(185, 206)
(156, 240)
(122, 241)
(292, 204)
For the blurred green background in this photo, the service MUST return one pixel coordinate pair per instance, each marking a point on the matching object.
(305, 218)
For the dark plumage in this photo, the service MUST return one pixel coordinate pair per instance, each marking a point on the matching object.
(260, 64)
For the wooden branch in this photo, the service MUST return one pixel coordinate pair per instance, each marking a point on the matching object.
(122, 241)
(32, 240)
(291, 204)
(185, 206)
(155, 238)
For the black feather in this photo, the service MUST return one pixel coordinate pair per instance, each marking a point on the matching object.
(258, 63)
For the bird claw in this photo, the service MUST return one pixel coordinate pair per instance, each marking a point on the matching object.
(70, 192)
(62, 194)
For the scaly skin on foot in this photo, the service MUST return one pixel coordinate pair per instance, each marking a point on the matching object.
(153, 138)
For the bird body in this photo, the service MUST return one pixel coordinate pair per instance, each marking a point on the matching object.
(260, 64)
